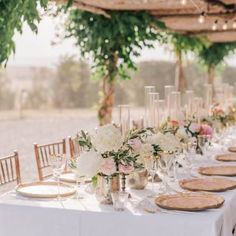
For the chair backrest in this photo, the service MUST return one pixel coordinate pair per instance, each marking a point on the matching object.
(75, 148)
(10, 169)
(42, 156)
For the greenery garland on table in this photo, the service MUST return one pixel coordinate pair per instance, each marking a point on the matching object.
(13, 14)
(113, 44)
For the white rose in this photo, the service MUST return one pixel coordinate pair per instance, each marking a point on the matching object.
(181, 134)
(88, 164)
(107, 138)
(167, 142)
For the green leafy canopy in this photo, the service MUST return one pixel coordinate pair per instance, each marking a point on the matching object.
(13, 14)
(113, 42)
(184, 43)
(214, 54)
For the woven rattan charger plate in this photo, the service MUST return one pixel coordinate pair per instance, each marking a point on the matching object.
(189, 201)
(218, 170)
(226, 157)
(208, 184)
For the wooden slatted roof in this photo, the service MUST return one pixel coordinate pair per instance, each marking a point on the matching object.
(178, 16)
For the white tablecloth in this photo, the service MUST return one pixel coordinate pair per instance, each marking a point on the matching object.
(26, 217)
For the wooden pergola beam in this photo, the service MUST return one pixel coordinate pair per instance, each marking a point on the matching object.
(86, 7)
(190, 23)
(218, 37)
(177, 17)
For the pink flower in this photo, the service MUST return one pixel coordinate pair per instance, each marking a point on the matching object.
(126, 169)
(206, 130)
(108, 166)
(174, 123)
(135, 144)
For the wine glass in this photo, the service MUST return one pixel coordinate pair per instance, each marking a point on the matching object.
(58, 164)
(167, 166)
(79, 179)
(151, 167)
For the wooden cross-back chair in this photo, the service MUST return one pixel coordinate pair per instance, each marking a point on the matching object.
(10, 169)
(74, 146)
(42, 156)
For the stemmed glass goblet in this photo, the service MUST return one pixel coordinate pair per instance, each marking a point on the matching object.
(151, 167)
(58, 164)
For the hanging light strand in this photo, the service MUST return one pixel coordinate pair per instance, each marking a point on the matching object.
(183, 2)
(215, 25)
(234, 24)
(201, 18)
(225, 25)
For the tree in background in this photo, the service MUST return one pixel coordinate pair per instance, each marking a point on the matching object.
(112, 42)
(13, 15)
(181, 46)
(71, 85)
(7, 96)
(212, 55)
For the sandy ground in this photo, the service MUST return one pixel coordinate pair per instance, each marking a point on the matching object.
(40, 127)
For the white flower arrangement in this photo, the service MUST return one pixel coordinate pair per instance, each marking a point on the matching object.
(107, 138)
(167, 142)
(88, 164)
(182, 135)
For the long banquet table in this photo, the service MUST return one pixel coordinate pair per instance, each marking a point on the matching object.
(70, 217)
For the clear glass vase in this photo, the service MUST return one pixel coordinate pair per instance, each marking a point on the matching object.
(105, 186)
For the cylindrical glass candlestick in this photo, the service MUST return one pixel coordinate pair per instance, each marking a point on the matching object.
(124, 118)
(175, 105)
(168, 90)
(152, 109)
(148, 89)
(162, 112)
(189, 95)
(208, 97)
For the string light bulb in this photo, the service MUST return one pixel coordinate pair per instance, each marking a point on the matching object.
(183, 2)
(215, 25)
(234, 24)
(225, 25)
(201, 18)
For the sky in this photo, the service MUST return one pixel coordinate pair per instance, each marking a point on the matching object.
(36, 49)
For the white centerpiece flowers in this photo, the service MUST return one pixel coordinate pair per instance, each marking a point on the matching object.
(107, 138)
(108, 152)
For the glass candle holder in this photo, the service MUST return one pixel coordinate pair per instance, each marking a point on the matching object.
(175, 105)
(168, 89)
(124, 118)
(119, 200)
(196, 108)
(152, 109)
(208, 97)
(189, 95)
(162, 112)
(148, 89)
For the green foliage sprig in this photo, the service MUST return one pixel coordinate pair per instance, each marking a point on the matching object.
(113, 42)
(184, 43)
(214, 54)
(13, 15)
